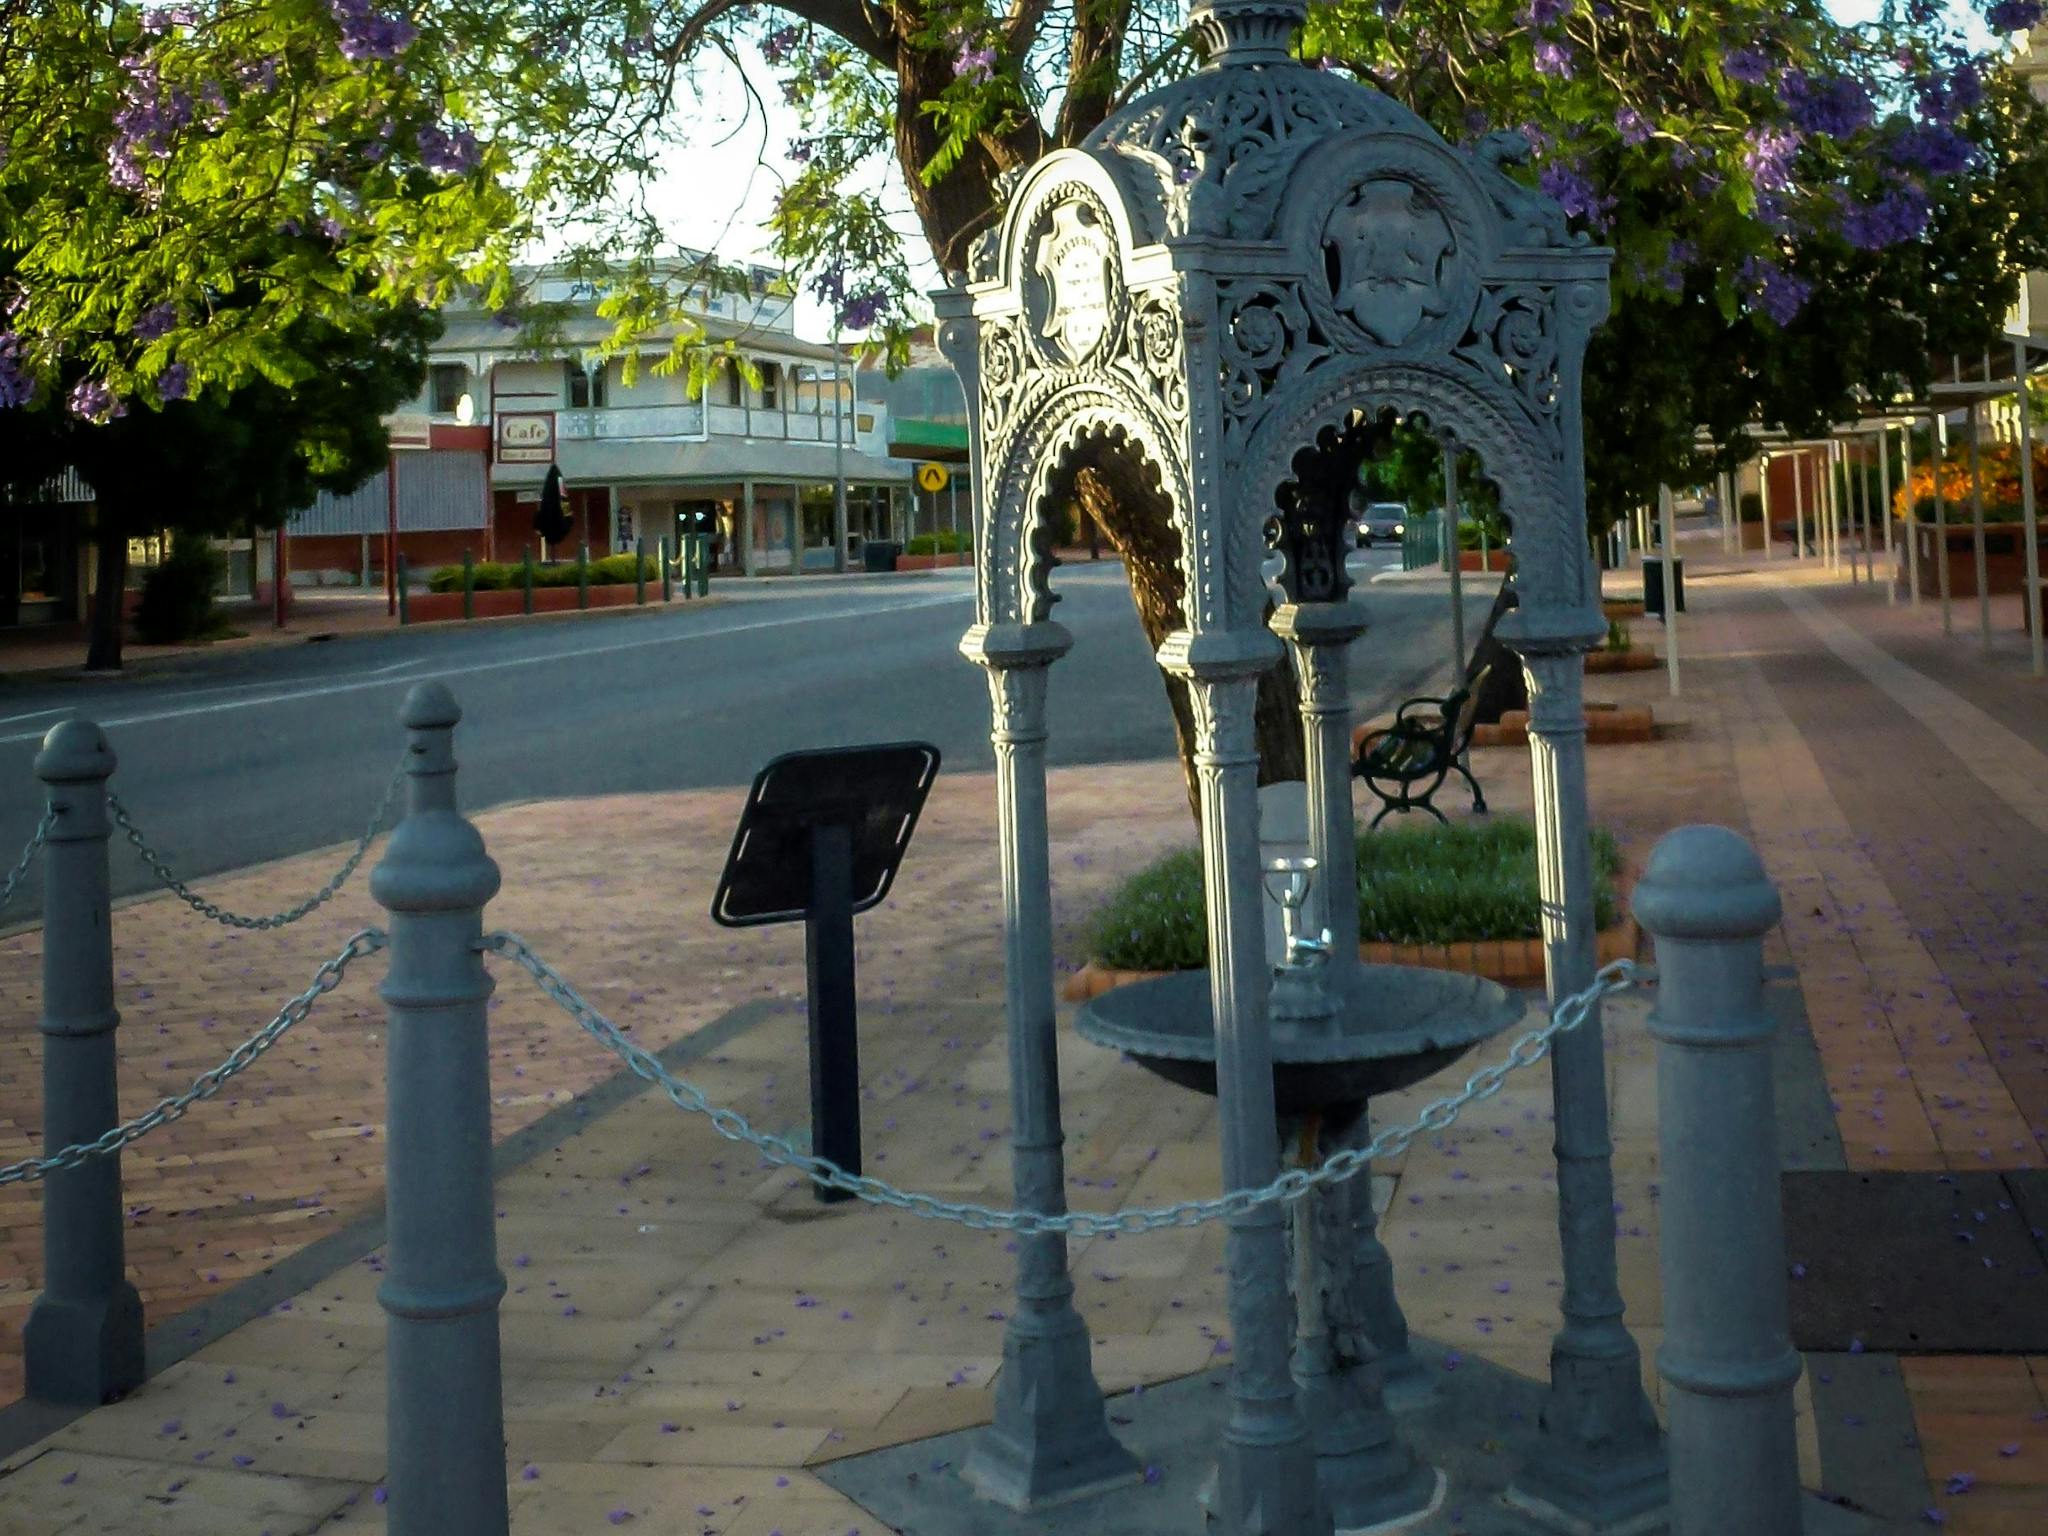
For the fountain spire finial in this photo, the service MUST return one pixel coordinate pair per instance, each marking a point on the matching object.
(1248, 31)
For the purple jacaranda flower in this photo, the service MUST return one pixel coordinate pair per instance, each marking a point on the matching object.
(862, 309)
(92, 400)
(802, 151)
(1552, 59)
(16, 387)
(1827, 106)
(156, 321)
(2013, 15)
(1541, 13)
(972, 63)
(1933, 149)
(1767, 154)
(1633, 126)
(779, 44)
(367, 34)
(450, 152)
(1777, 293)
(1746, 66)
(174, 383)
(1898, 216)
(1942, 96)
(1577, 195)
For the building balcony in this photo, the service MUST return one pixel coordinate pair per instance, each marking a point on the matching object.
(607, 423)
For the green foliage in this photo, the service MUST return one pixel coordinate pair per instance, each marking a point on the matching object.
(500, 576)
(944, 542)
(177, 595)
(1494, 527)
(1416, 885)
(613, 570)
(156, 159)
(1618, 638)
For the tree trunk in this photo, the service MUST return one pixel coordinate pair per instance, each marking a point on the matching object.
(1134, 520)
(109, 593)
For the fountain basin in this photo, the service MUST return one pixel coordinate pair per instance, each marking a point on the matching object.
(1395, 1026)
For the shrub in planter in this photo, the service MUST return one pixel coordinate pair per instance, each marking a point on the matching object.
(945, 543)
(613, 570)
(1423, 885)
(486, 576)
(1999, 464)
(1752, 507)
(177, 594)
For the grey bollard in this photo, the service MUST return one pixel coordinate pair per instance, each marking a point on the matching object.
(1727, 1359)
(446, 1425)
(83, 1340)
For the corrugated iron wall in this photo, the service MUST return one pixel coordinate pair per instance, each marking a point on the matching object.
(437, 490)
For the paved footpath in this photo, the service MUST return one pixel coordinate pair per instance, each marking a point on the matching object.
(688, 1332)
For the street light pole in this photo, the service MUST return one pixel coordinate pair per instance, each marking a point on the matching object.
(838, 456)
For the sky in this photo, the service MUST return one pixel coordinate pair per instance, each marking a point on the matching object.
(719, 192)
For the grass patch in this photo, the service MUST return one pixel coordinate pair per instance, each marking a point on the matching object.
(1416, 885)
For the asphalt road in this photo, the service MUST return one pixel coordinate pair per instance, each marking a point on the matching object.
(242, 757)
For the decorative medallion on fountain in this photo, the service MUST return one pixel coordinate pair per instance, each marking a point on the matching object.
(1071, 293)
(1386, 247)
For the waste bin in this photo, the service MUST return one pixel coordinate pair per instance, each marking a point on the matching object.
(879, 555)
(1653, 584)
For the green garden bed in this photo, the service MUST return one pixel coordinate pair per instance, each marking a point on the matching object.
(1471, 881)
(504, 576)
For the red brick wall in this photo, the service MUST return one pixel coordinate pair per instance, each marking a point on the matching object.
(590, 509)
(344, 551)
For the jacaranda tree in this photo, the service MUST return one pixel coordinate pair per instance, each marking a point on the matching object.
(1800, 208)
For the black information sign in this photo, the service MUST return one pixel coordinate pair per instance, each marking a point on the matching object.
(821, 838)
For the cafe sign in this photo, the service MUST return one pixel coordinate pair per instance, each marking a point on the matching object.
(526, 437)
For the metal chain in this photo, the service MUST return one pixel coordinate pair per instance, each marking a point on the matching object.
(1291, 1185)
(28, 857)
(290, 915)
(366, 942)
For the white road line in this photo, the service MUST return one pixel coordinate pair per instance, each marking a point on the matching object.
(34, 714)
(455, 673)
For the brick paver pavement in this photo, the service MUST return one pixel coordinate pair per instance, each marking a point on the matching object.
(692, 1330)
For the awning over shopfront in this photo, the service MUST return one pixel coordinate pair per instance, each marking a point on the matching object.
(718, 461)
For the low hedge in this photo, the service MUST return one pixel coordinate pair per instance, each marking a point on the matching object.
(499, 576)
(1416, 885)
(936, 544)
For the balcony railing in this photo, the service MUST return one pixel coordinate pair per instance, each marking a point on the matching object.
(607, 422)
(687, 421)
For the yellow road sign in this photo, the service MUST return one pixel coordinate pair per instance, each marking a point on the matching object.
(932, 477)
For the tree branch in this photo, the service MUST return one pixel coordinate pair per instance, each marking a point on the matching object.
(863, 26)
(1097, 51)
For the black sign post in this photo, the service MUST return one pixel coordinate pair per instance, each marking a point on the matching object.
(821, 839)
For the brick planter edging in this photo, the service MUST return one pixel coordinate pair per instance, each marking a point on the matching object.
(1621, 607)
(499, 603)
(1604, 727)
(1511, 962)
(1637, 658)
(933, 562)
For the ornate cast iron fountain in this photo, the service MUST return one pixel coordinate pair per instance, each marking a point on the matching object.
(1232, 284)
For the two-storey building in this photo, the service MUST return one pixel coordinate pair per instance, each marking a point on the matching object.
(754, 461)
